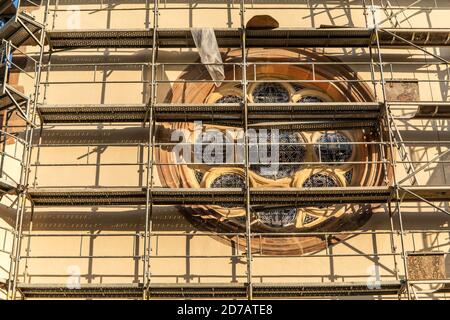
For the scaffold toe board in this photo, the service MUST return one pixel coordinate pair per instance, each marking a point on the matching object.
(100, 38)
(267, 112)
(438, 110)
(231, 38)
(316, 125)
(92, 113)
(223, 113)
(209, 290)
(313, 111)
(20, 30)
(326, 289)
(214, 196)
(98, 291)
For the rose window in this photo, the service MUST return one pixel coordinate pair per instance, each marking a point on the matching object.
(311, 156)
(210, 151)
(332, 150)
(289, 150)
(320, 180)
(229, 180)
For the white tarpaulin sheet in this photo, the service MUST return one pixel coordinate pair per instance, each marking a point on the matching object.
(206, 43)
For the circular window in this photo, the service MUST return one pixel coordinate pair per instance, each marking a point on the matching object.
(229, 99)
(320, 180)
(299, 150)
(228, 180)
(270, 92)
(277, 217)
(289, 150)
(334, 151)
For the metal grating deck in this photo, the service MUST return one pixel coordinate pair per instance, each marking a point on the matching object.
(210, 290)
(216, 196)
(42, 291)
(230, 38)
(226, 113)
(92, 113)
(438, 110)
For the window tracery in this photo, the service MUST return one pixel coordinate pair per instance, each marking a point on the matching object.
(270, 92)
(301, 167)
(330, 148)
(289, 151)
(277, 217)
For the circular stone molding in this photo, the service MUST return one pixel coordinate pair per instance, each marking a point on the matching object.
(280, 83)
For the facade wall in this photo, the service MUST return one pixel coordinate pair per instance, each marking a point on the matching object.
(85, 165)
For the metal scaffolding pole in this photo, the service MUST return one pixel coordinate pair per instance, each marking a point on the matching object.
(150, 160)
(384, 123)
(248, 235)
(31, 115)
(386, 164)
(386, 118)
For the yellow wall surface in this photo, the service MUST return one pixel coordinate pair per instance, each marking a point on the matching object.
(86, 165)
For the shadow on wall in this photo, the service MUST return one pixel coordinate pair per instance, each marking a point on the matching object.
(333, 10)
(414, 218)
(438, 173)
(165, 218)
(87, 136)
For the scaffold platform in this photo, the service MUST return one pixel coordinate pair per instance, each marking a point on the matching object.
(215, 196)
(210, 290)
(231, 38)
(227, 113)
(317, 116)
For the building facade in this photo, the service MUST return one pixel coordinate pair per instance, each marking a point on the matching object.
(225, 149)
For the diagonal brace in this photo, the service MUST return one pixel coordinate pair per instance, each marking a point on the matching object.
(415, 46)
(424, 200)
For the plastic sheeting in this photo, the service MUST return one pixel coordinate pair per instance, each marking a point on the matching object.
(206, 43)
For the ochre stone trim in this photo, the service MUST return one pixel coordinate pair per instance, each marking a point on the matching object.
(331, 218)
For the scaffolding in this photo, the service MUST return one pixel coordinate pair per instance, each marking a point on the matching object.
(21, 29)
(380, 115)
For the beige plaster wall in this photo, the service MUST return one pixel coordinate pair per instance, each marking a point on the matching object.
(98, 167)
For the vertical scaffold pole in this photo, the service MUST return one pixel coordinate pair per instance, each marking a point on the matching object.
(26, 159)
(386, 118)
(248, 234)
(386, 169)
(150, 154)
